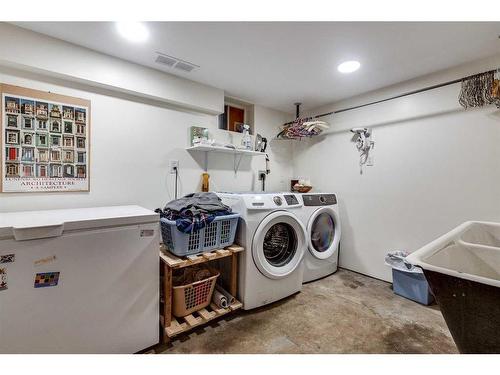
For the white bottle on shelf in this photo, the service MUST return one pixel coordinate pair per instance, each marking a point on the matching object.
(246, 141)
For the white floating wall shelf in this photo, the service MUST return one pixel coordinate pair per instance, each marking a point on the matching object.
(237, 153)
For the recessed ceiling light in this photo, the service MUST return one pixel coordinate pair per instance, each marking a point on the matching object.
(349, 66)
(133, 31)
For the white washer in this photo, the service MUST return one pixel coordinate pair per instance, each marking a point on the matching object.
(274, 238)
(321, 216)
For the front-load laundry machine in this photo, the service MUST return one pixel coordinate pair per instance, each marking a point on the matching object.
(321, 216)
(274, 238)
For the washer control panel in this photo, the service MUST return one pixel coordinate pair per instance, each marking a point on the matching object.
(291, 199)
(319, 199)
(262, 201)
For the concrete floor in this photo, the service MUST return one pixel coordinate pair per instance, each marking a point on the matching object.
(343, 313)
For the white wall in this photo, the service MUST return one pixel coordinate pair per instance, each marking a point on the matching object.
(37, 53)
(267, 123)
(221, 166)
(436, 166)
(132, 143)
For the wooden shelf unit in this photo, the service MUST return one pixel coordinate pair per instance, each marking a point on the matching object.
(172, 326)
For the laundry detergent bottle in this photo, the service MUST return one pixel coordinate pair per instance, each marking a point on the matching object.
(205, 182)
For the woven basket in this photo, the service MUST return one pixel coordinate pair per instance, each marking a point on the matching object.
(302, 189)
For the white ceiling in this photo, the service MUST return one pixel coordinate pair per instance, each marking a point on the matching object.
(276, 64)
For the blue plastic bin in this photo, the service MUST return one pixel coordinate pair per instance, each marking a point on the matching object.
(412, 285)
(216, 235)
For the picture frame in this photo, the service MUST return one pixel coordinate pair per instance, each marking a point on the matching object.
(45, 141)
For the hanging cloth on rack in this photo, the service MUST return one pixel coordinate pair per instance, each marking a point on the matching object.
(479, 90)
(303, 127)
(495, 91)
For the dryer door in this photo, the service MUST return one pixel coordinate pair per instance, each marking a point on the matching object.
(278, 244)
(323, 232)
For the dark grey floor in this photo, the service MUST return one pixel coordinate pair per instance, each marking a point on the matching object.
(343, 313)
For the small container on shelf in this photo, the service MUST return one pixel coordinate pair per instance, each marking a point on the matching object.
(301, 186)
(302, 189)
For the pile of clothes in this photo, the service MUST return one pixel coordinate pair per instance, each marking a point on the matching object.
(194, 211)
(189, 275)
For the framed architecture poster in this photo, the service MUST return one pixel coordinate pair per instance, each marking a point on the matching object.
(45, 141)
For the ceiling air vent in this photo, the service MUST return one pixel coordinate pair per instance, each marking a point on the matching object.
(165, 60)
(174, 62)
(187, 67)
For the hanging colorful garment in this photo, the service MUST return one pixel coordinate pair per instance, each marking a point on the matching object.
(302, 128)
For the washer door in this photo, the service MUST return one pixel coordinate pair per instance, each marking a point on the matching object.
(278, 244)
(323, 232)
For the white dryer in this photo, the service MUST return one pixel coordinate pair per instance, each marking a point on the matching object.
(274, 238)
(321, 216)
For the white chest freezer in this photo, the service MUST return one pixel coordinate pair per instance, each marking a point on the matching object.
(79, 280)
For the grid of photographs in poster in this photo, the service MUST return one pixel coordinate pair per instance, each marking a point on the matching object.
(44, 140)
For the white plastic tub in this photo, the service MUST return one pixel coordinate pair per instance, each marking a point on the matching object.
(466, 252)
(483, 234)
(463, 271)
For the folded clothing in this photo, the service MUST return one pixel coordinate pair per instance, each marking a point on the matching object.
(194, 211)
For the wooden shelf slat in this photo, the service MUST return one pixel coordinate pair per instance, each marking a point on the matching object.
(175, 328)
(223, 252)
(204, 315)
(236, 305)
(235, 248)
(207, 315)
(171, 260)
(209, 255)
(193, 321)
(174, 261)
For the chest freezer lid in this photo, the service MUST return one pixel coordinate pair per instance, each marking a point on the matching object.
(50, 223)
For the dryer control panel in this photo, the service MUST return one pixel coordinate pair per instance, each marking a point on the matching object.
(319, 199)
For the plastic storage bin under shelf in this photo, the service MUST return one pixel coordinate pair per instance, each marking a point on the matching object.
(216, 235)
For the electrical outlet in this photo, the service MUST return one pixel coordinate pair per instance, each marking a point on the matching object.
(174, 164)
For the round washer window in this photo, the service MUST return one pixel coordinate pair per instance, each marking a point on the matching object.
(280, 244)
(322, 232)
